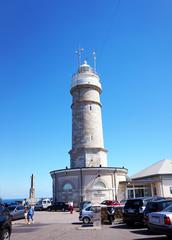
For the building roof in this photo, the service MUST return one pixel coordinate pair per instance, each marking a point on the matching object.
(159, 168)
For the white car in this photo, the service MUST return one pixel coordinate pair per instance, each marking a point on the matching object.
(43, 204)
(161, 222)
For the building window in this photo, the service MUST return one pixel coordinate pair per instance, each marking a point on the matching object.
(130, 193)
(99, 185)
(90, 108)
(67, 187)
(139, 191)
(154, 191)
(171, 190)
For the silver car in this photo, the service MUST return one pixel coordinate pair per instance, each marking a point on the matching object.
(86, 214)
(16, 212)
(161, 222)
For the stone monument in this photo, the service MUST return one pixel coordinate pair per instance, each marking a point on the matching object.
(32, 199)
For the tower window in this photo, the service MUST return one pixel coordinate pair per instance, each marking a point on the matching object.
(90, 108)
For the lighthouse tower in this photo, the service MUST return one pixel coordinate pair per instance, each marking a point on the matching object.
(87, 132)
(89, 178)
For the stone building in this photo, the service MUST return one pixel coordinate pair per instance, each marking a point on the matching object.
(155, 180)
(89, 177)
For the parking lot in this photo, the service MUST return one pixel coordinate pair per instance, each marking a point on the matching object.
(66, 226)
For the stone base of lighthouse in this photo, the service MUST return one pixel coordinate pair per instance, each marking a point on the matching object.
(93, 184)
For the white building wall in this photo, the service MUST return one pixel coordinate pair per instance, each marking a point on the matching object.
(95, 185)
(120, 188)
(97, 195)
(167, 186)
(159, 189)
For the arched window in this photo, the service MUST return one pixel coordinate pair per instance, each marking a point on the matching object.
(67, 187)
(99, 185)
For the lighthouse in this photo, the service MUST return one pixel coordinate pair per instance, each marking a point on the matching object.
(88, 178)
(87, 131)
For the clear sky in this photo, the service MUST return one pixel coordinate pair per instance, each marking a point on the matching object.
(38, 39)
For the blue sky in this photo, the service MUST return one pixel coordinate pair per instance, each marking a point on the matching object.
(38, 39)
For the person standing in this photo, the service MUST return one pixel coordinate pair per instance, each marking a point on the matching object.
(25, 214)
(71, 207)
(30, 215)
(111, 212)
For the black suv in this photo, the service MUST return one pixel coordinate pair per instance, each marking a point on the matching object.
(134, 208)
(155, 206)
(5, 223)
(59, 206)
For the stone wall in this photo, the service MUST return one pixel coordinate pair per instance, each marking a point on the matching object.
(87, 130)
(93, 184)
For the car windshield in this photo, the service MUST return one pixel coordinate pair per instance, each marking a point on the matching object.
(88, 208)
(11, 208)
(168, 209)
(134, 203)
(123, 201)
(20, 208)
(164, 205)
(1, 208)
(84, 204)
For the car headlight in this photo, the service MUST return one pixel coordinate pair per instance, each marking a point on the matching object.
(141, 210)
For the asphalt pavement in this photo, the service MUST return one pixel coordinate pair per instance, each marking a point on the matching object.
(66, 226)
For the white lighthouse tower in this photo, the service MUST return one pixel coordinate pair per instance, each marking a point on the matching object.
(89, 177)
(87, 132)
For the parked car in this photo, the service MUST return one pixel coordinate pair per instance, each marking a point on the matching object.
(86, 214)
(155, 206)
(5, 223)
(16, 211)
(161, 222)
(134, 208)
(59, 206)
(84, 204)
(110, 203)
(43, 204)
(123, 202)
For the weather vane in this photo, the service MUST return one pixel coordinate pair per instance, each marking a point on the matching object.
(78, 52)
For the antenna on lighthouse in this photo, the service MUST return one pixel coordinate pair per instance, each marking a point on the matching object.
(94, 58)
(78, 52)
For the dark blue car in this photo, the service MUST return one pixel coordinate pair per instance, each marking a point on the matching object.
(5, 223)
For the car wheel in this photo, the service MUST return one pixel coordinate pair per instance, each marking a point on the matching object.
(86, 220)
(129, 223)
(5, 234)
(169, 236)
